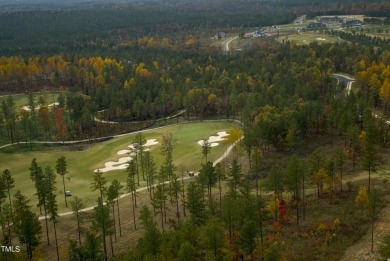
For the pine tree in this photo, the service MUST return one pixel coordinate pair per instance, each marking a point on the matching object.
(206, 147)
(52, 205)
(195, 204)
(99, 184)
(175, 193)
(9, 184)
(275, 182)
(235, 177)
(26, 223)
(131, 172)
(150, 171)
(77, 205)
(140, 140)
(101, 223)
(207, 177)
(294, 180)
(61, 170)
(212, 236)
(3, 196)
(112, 196)
(38, 177)
(152, 236)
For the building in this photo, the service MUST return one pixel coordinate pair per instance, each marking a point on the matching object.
(259, 33)
(219, 35)
(330, 20)
(352, 23)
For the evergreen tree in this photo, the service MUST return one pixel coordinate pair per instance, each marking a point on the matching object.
(52, 205)
(152, 238)
(150, 171)
(195, 203)
(39, 179)
(77, 205)
(26, 223)
(61, 169)
(294, 181)
(131, 172)
(206, 147)
(99, 222)
(213, 236)
(187, 251)
(3, 196)
(235, 177)
(139, 139)
(275, 182)
(340, 159)
(175, 193)
(102, 224)
(158, 202)
(207, 177)
(9, 181)
(248, 234)
(93, 247)
(220, 173)
(112, 195)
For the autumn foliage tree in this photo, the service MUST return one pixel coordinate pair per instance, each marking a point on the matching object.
(60, 123)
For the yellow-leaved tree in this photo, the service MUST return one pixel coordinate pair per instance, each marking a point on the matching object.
(234, 136)
(385, 94)
(362, 197)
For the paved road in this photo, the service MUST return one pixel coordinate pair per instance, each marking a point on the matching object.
(225, 44)
(349, 80)
(346, 79)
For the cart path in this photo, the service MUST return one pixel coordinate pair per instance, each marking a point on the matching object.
(361, 250)
(225, 154)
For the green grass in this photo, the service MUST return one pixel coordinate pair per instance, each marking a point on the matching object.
(22, 99)
(239, 43)
(308, 37)
(82, 160)
(381, 31)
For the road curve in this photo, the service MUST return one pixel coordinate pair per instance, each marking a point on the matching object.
(225, 44)
(346, 79)
(349, 80)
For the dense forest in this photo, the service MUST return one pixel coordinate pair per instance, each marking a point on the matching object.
(286, 193)
(97, 31)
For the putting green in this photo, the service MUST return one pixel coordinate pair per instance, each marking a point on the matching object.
(187, 154)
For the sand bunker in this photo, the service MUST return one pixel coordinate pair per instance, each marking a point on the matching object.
(27, 108)
(148, 143)
(122, 163)
(214, 140)
(321, 39)
(112, 165)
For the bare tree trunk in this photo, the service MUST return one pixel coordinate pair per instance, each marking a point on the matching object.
(78, 227)
(133, 205)
(119, 217)
(183, 192)
(113, 216)
(55, 236)
(112, 247)
(47, 229)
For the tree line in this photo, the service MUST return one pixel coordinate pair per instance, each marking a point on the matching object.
(206, 83)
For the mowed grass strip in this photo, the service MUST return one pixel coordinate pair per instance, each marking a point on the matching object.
(187, 155)
(309, 37)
